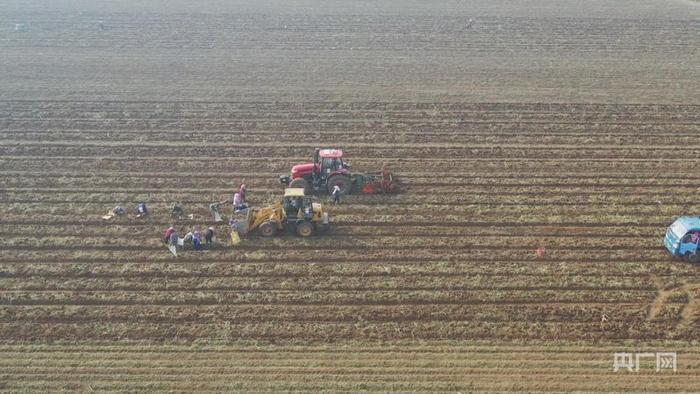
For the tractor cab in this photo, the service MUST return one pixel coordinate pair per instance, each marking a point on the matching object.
(683, 238)
(328, 162)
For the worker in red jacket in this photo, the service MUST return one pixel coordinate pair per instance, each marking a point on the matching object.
(168, 232)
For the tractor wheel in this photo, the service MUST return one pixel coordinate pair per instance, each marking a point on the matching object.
(693, 258)
(301, 183)
(267, 229)
(305, 229)
(343, 181)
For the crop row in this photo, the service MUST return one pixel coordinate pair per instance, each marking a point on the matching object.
(193, 381)
(131, 227)
(317, 331)
(337, 131)
(61, 191)
(319, 114)
(309, 254)
(197, 200)
(351, 141)
(516, 198)
(264, 181)
(309, 119)
(348, 243)
(323, 111)
(474, 200)
(372, 314)
(466, 167)
(402, 217)
(345, 242)
(319, 281)
(479, 42)
(380, 373)
(455, 131)
(336, 297)
(312, 108)
(207, 359)
(185, 268)
(137, 150)
(432, 120)
(475, 208)
(385, 221)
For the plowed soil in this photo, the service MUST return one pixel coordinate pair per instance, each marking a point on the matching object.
(573, 130)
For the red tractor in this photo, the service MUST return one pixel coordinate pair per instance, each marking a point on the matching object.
(329, 170)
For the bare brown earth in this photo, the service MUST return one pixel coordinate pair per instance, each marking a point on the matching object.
(549, 125)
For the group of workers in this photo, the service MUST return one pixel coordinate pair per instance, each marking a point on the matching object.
(192, 239)
(177, 211)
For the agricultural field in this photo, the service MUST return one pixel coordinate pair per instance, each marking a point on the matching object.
(575, 131)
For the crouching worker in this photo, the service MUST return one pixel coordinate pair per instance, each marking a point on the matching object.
(168, 233)
(209, 236)
(187, 241)
(141, 210)
(214, 209)
(197, 241)
(177, 211)
(174, 239)
(116, 211)
(170, 239)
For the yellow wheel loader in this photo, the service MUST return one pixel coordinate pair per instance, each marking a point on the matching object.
(296, 213)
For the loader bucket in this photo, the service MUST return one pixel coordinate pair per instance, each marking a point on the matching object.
(242, 226)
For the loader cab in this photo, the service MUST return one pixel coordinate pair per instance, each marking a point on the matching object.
(683, 238)
(296, 205)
